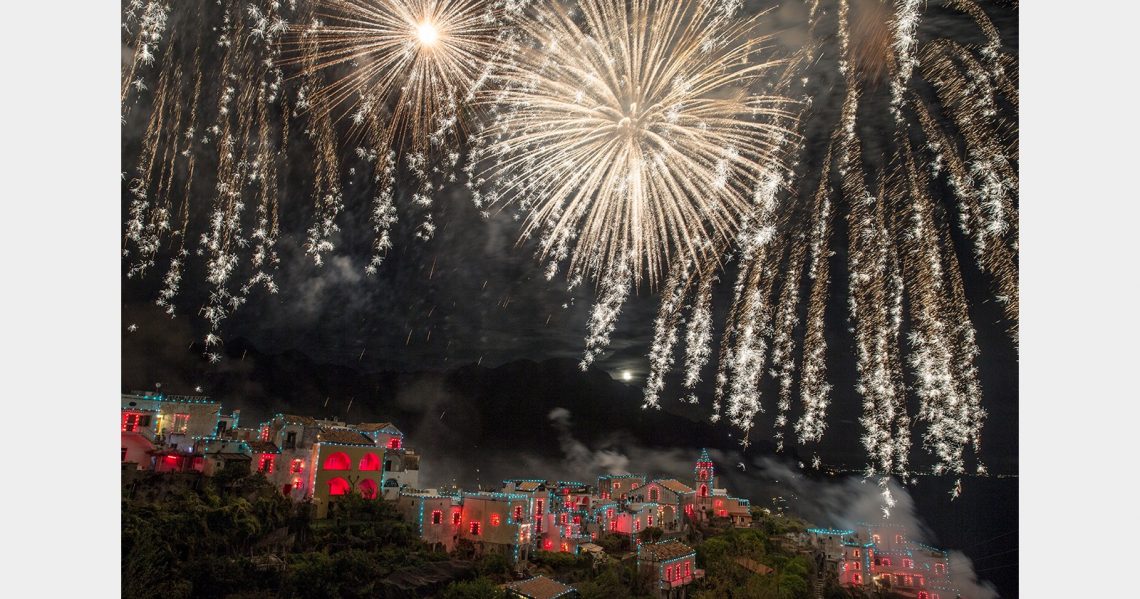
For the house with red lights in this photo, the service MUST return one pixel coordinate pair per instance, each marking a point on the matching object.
(673, 566)
(159, 431)
(619, 486)
(883, 557)
(483, 523)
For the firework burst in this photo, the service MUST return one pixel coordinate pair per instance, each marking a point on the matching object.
(630, 135)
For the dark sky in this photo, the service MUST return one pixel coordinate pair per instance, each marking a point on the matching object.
(471, 295)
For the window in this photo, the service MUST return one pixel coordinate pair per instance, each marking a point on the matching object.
(494, 519)
(918, 581)
(577, 519)
(338, 486)
(144, 420)
(565, 547)
(562, 518)
(437, 517)
(856, 554)
(369, 462)
(857, 578)
(898, 539)
(878, 562)
(907, 580)
(610, 513)
(296, 466)
(939, 568)
(518, 513)
(613, 525)
(394, 443)
(718, 503)
(123, 455)
(547, 544)
(221, 428)
(636, 525)
(265, 464)
(262, 434)
(687, 564)
(651, 520)
(130, 423)
(876, 539)
(704, 490)
(653, 495)
(387, 465)
(338, 461)
(923, 595)
(181, 421)
(704, 475)
(908, 563)
(475, 528)
(538, 506)
(668, 572)
(886, 561)
(291, 440)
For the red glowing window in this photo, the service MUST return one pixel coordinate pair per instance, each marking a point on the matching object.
(394, 443)
(908, 563)
(577, 519)
(296, 466)
(610, 513)
(856, 578)
(368, 488)
(437, 517)
(566, 547)
(613, 525)
(547, 544)
(939, 569)
(689, 509)
(668, 572)
(704, 490)
(338, 461)
(704, 475)
(886, 561)
(262, 434)
(474, 528)
(538, 506)
(494, 519)
(369, 462)
(518, 513)
(562, 518)
(265, 464)
(456, 518)
(718, 503)
(637, 525)
(339, 486)
(651, 520)
(855, 553)
(687, 571)
(923, 595)
(566, 491)
(130, 422)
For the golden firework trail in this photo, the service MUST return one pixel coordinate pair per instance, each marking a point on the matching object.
(631, 135)
(906, 296)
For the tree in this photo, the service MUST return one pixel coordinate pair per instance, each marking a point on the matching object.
(480, 588)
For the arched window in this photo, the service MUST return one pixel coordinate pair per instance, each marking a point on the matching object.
(704, 490)
(367, 488)
(394, 443)
(338, 486)
(338, 461)
(369, 462)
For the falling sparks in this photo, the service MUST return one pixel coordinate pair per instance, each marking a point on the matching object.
(631, 131)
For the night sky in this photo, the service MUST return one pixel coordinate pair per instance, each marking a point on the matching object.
(452, 324)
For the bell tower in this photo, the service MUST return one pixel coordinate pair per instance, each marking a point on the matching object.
(704, 474)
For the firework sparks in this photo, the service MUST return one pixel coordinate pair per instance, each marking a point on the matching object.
(632, 131)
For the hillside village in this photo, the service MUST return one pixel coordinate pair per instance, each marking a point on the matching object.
(323, 462)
